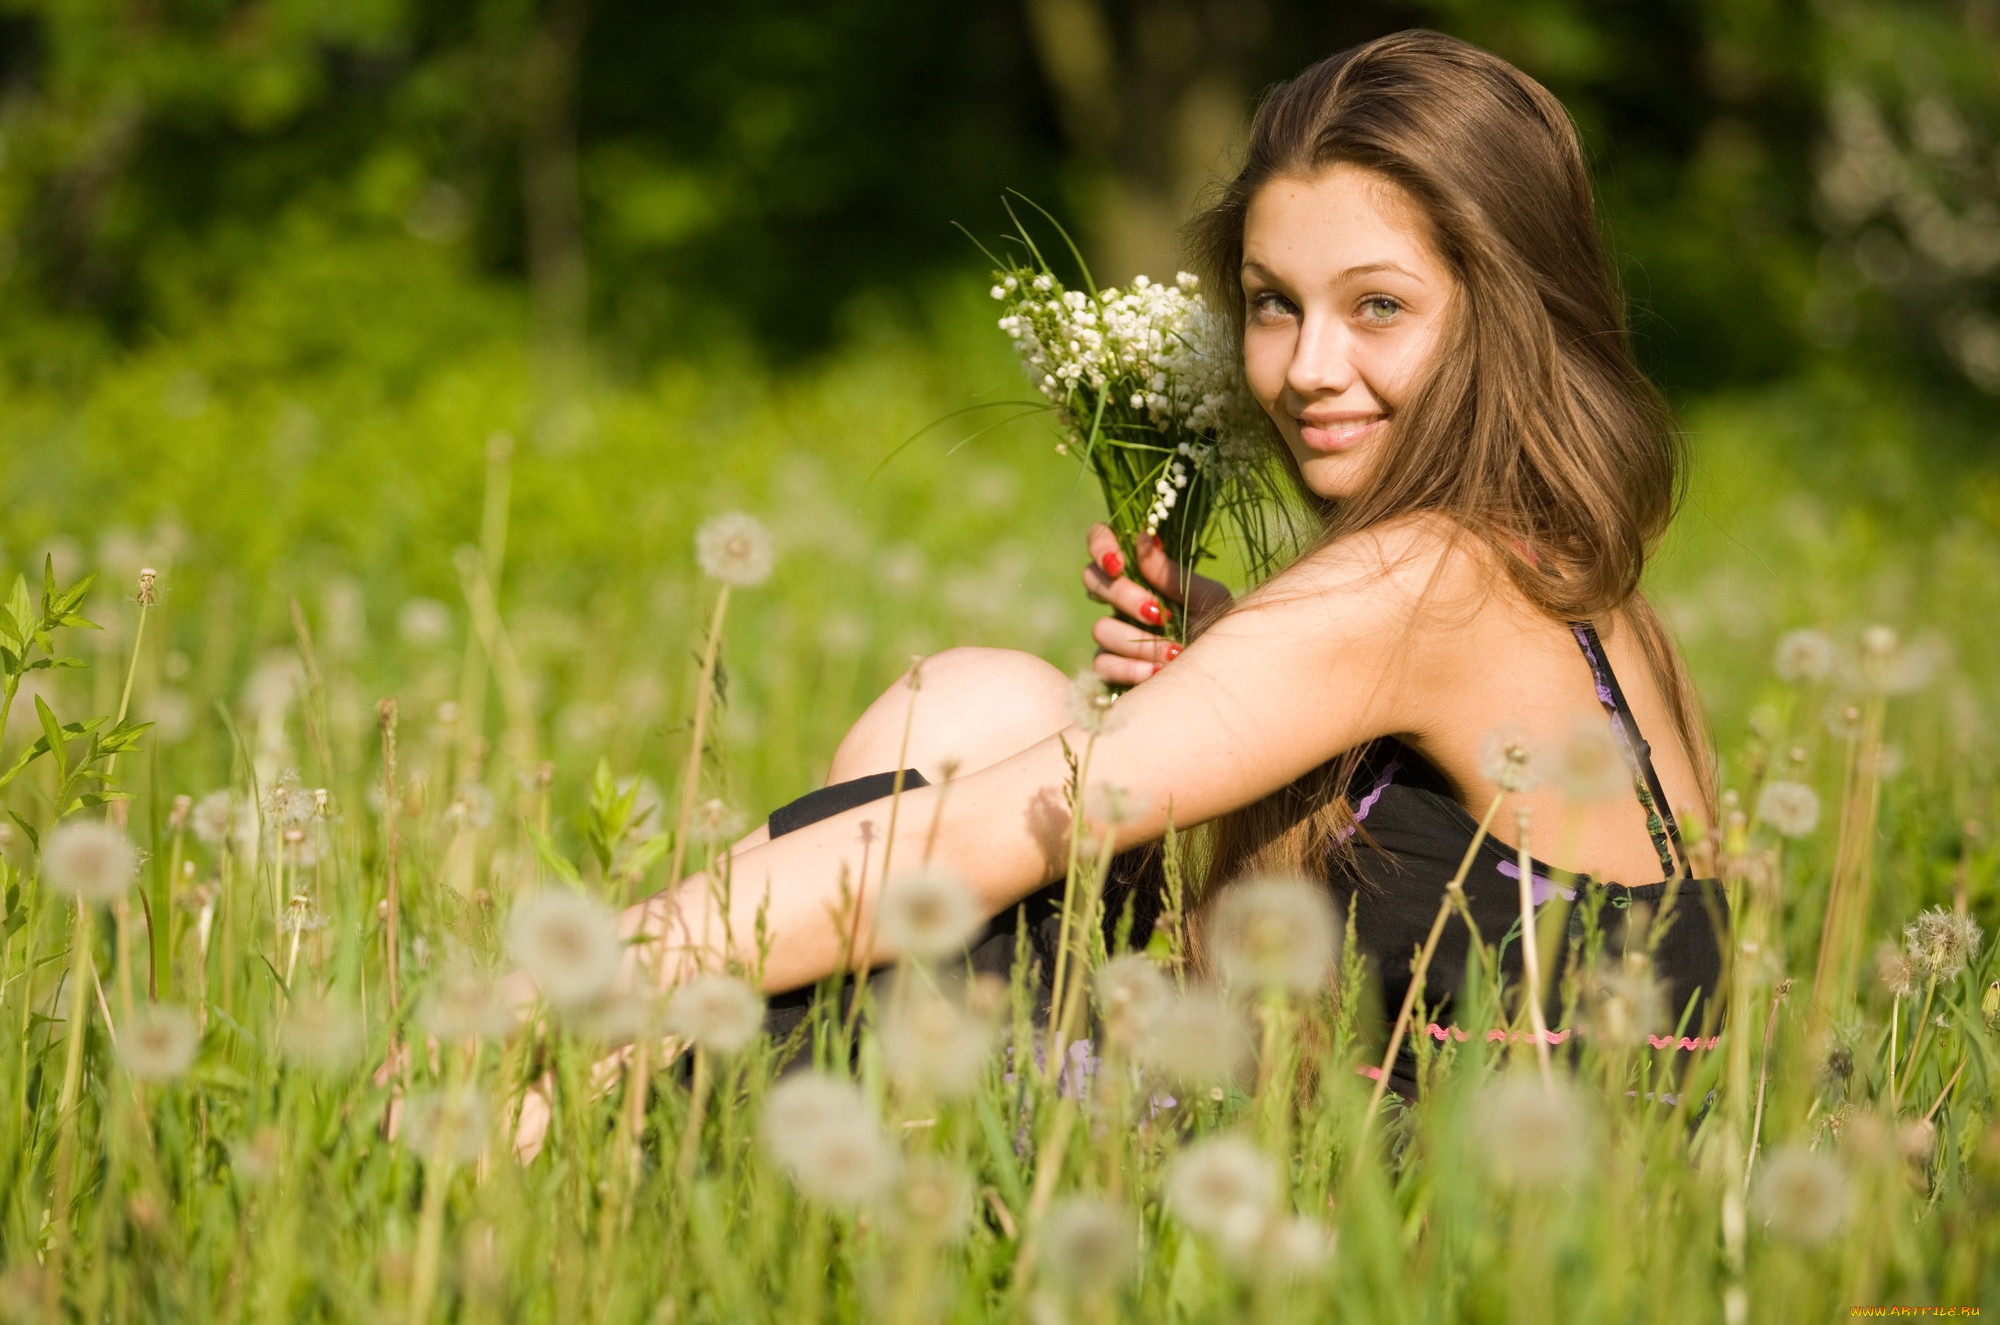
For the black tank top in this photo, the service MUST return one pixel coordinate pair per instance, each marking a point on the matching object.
(1411, 835)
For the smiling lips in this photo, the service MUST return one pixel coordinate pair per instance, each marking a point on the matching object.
(1334, 433)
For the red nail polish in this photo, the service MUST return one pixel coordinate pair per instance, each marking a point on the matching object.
(1149, 612)
(1114, 564)
(1173, 652)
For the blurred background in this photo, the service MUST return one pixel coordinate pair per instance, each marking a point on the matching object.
(283, 282)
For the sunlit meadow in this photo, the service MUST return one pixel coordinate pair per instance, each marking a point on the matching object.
(421, 681)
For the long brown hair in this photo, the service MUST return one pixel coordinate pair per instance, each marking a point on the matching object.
(1534, 431)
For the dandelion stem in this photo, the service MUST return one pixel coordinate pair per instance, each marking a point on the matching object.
(66, 1109)
(1531, 961)
(1917, 1036)
(696, 1116)
(1453, 895)
(691, 776)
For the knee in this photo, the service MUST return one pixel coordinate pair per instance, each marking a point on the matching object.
(969, 707)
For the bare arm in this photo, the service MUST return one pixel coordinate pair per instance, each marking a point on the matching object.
(1323, 657)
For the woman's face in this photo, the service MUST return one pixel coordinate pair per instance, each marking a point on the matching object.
(1344, 304)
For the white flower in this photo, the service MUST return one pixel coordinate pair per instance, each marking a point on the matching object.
(89, 859)
(926, 914)
(158, 1042)
(1223, 1187)
(735, 549)
(1274, 933)
(932, 1044)
(822, 1130)
(1088, 1245)
(717, 1012)
(1133, 998)
(1508, 760)
(1801, 1196)
(1791, 808)
(569, 944)
(318, 1034)
(1198, 1041)
(1803, 656)
(1531, 1133)
(1091, 702)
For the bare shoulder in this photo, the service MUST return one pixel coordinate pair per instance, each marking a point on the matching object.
(1415, 573)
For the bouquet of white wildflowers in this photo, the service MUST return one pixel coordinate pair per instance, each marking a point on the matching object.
(1148, 394)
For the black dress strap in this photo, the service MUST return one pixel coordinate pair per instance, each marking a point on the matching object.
(1660, 823)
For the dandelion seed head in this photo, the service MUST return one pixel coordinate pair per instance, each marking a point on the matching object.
(1588, 764)
(446, 1124)
(158, 1042)
(926, 914)
(464, 1007)
(623, 1013)
(717, 1012)
(1089, 1245)
(1791, 808)
(1843, 719)
(1091, 703)
(569, 944)
(423, 623)
(214, 819)
(822, 1130)
(933, 1197)
(1896, 970)
(257, 1158)
(319, 1035)
(1274, 933)
(736, 549)
(1803, 656)
(1942, 943)
(1801, 1195)
(1295, 1245)
(1200, 1041)
(1223, 1187)
(89, 860)
(1133, 997)
(1507, 759)
(933, 1044)
(1531, 1133)
(717, 822)
(1622, 1002)
(1109, 804)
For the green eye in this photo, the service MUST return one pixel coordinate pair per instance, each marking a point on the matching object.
(1380, 308)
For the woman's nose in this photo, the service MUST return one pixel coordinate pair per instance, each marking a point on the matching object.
(1320, 362)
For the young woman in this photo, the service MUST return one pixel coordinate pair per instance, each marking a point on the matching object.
(1431, 326)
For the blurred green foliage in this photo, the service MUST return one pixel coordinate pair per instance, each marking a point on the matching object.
(269, 281)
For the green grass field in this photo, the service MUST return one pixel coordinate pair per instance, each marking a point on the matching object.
(306, 484)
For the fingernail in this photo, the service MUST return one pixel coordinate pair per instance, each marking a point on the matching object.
(1173, 652)
(1150, 540)
(1114, 564)
(1149, 612)
(1156, 669)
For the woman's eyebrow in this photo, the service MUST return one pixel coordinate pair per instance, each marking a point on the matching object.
(1370, 268)
(1251, 267)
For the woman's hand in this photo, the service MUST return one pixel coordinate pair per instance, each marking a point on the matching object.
(1127, 653)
